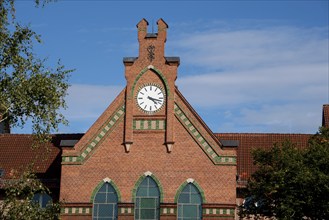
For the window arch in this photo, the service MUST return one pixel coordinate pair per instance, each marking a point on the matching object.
(147, 201)
(189, 203)
(42, 199)
(105, 204)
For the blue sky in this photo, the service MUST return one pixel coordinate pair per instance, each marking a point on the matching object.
(246, 66)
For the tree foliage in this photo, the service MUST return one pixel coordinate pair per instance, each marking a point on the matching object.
(29, 90)
(290, 183)
(19, 203)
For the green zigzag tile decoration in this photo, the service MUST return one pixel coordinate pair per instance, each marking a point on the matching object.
(105, 129)
(201, 140)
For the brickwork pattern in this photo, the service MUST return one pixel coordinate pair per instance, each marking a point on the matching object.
(196, 152)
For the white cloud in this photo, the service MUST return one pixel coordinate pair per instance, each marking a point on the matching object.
(273, 79)
(254, 48)
(286, 118)
(87, 102)
(264, 85)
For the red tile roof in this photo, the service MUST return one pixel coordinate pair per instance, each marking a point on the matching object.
(249, 141)
(16, 154)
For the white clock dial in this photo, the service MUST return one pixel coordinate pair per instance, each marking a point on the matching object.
(150, 98)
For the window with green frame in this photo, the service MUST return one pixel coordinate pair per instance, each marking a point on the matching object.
(190, 203)
(147, 203)
(105, 205)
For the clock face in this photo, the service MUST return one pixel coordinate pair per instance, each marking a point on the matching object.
(150, 98)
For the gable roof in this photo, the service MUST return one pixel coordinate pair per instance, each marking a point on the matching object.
(201, 133)
(250, 141)
(16, 153)
(184, 113)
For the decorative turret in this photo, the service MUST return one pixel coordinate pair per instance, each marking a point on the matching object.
(150, 70)
(151, 45)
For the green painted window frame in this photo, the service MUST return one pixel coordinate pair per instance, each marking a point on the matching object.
(147, 201)
(189, 203)
(106, 200)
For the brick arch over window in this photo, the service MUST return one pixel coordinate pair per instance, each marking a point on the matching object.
(189, 201)
(140, 180)
(146, 196)
(180, 189)
(105, 200)
(100, 184)
(158, 72)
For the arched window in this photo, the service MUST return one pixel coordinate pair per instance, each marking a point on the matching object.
(105, 203)
(43, 199)
(189, 203)
(147, 202)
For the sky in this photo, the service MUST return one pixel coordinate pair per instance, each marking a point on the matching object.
(246, 66)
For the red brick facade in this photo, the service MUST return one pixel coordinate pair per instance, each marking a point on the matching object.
(126, 144)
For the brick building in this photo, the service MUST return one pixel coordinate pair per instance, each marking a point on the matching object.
(149, 155)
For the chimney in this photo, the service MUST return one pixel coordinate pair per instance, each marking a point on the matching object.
(325, 116)
(4, 127)
(4, 124)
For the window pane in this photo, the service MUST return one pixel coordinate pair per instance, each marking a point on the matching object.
(152, 183)
(189, 203)
(102, 189)
(144, 183)
(195, 199)
(147, 200)
(46, 200)
(147, 214)
(190, 211)
(180, 211)
(194, 190)
(148, 203)
(104, 210)
(100, 198)
(105, 203)
(142, 192)
(112, 198)
(42, 199)
(153, 192)
(95, 210)
(184, 198)
(187, 188)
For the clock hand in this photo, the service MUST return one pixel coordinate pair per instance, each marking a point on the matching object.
(154, 100)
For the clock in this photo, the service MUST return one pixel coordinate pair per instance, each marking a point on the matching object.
(150, 98)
